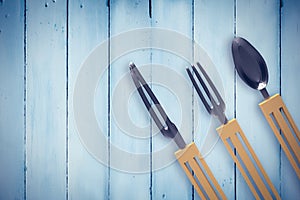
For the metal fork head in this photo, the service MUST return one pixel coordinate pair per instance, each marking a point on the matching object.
(213, 107)
(161, 119)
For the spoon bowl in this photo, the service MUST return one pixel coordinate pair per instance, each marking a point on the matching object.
(249, 64)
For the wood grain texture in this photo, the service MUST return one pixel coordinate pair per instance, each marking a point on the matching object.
(88, 27)
(46, 100)
(290, 48)
(124, 16)
(12, 100)
(258, 22)
(171, 182)
(214, 33)
(41, 153)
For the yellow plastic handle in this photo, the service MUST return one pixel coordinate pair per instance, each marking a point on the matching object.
(246, 160)
(280, 119)
(199, 173)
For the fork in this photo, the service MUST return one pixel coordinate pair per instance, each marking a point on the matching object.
(234, 138)
(188, 156)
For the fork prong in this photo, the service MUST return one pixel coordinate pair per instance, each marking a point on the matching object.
(202, 83)
(207, 106)
(212, 86)
(160, 118)
(138, 76)
(214, 104)
(139, 82)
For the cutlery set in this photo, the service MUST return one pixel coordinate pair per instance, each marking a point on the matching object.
(252, 69)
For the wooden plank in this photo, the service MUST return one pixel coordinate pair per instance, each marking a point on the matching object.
(290, 48)
(214, 33)
(125, 181)
(170, 181)
(258, 22)
(46, 100)
(88, 27)
(12, 100)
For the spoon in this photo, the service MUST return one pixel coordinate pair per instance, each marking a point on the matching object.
(253, 70)
(250, 65)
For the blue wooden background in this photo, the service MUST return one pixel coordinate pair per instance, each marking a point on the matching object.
(42, 46)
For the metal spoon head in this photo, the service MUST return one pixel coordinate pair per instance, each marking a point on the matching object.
(249, 64)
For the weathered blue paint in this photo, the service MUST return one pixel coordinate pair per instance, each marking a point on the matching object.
(46, 100)
(171, 182)
(214, 33)
(51, 162)
(12, 100)
(258, 22)
(125, 16)
(88, 27)
(290, 71)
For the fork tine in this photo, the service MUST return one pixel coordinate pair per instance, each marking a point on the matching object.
(207, 106)
(139, 76)
(170, 129)
(140, 90)
(135, 78)
(203, 84)
(220, 99)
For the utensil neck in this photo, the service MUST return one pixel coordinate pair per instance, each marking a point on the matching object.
(265, 93)
(179, 141)
(222, 118)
